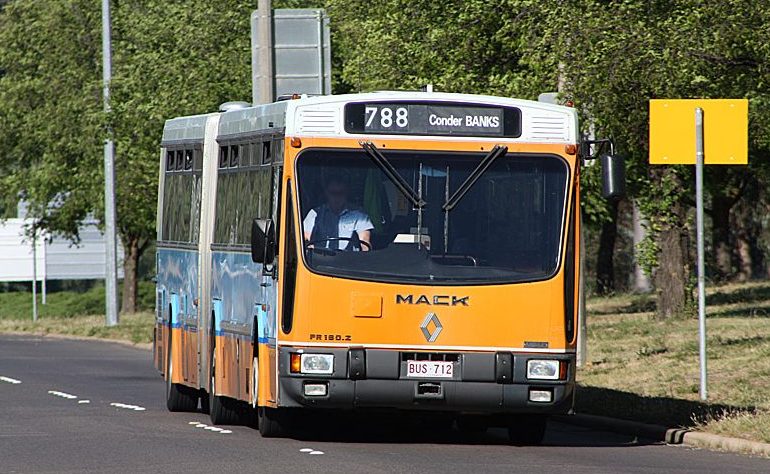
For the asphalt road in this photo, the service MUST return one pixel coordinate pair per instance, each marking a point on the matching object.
(76, 406)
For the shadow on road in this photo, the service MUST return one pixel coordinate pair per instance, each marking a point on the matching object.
(666, 411)
(401, 428)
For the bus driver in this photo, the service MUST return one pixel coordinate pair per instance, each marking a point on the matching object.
(337, 219)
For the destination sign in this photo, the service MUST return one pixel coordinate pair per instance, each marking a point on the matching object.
(432, 118)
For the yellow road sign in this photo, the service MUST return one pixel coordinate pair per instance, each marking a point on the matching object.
(725, 136)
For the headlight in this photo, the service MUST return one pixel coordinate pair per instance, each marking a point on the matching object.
(543, 369)
(317, 363)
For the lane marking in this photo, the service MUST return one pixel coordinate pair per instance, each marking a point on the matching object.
(84, 401)
(9, 380)
(310, 451)
(128, 407)
(197, 424)
(57, 393)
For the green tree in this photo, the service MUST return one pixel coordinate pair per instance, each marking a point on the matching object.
(616, 55)
(171, 58)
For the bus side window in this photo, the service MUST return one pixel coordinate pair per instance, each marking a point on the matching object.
(234, 155)
(223, 157)
(267, 156)
(278, 150)
(179, 160)
(188, 159)
(169, 160)
(275, 204)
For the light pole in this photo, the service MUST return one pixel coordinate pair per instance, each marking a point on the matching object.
(111, 267)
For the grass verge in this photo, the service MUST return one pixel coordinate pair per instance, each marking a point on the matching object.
(135, 328)
(79, 314)
(644, 369)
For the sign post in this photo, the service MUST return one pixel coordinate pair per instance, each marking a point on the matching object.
(673, 141)
(699, 160)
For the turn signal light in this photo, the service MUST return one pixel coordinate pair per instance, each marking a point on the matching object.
(296, 363)
(570, 149)
(296, 142)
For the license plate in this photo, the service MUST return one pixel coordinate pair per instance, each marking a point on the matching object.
(429, 368)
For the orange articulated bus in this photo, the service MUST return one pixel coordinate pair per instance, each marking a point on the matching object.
(395, 250)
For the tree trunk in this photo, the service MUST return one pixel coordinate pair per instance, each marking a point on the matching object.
(132, 252)
(672, 274)
(720, 235)
(605, 266)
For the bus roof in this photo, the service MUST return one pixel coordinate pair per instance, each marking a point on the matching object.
(185, 129)
(323, 116)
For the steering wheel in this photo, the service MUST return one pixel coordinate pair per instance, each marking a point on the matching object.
(333, 251)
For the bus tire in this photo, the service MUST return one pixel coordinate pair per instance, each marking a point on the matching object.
(527, 430)
(270, 422)
(178, 397)
(222, 410)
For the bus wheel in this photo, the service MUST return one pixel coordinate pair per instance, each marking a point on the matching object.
(270, 422)
(221, 409)
(178, 397)
(527, 430)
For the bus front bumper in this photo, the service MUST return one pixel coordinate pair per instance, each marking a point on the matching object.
(378, 382)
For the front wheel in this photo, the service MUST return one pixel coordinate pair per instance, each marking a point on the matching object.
(271, 422)
(527, 430)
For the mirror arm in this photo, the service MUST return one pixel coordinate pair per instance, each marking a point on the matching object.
(587, 144)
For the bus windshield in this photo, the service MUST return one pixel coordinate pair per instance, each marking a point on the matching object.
(358, 224)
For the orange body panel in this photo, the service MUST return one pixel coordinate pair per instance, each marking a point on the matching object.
(497, 316)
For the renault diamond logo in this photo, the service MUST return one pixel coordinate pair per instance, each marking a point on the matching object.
(431, 327)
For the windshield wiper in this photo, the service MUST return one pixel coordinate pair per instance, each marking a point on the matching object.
(494, 154)
(387, 168)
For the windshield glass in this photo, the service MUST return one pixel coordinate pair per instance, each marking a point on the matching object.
(357, 224)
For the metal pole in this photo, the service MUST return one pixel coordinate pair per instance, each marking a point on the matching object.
(111, 267)
(699, 161)
(320, 53)
(34, 274)
(45, 270)
(582, 340)
(265, 65)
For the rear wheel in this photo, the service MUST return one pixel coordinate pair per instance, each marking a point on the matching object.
(527, 430)
(222, 410)
(178, 397)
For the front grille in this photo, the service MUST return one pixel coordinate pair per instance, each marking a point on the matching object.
(440, 356)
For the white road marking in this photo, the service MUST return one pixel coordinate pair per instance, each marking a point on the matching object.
(310, 451)
(127, 407)
(208, 428)
(84, 401)
(9, 380)
(57, 393)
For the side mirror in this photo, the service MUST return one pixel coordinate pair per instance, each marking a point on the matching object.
(263, 241)
(613, 176)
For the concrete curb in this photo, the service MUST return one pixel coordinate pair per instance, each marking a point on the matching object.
(669, 435)
(136, 345)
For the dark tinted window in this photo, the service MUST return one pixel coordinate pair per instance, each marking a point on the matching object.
(507, 228)
(180, 204)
